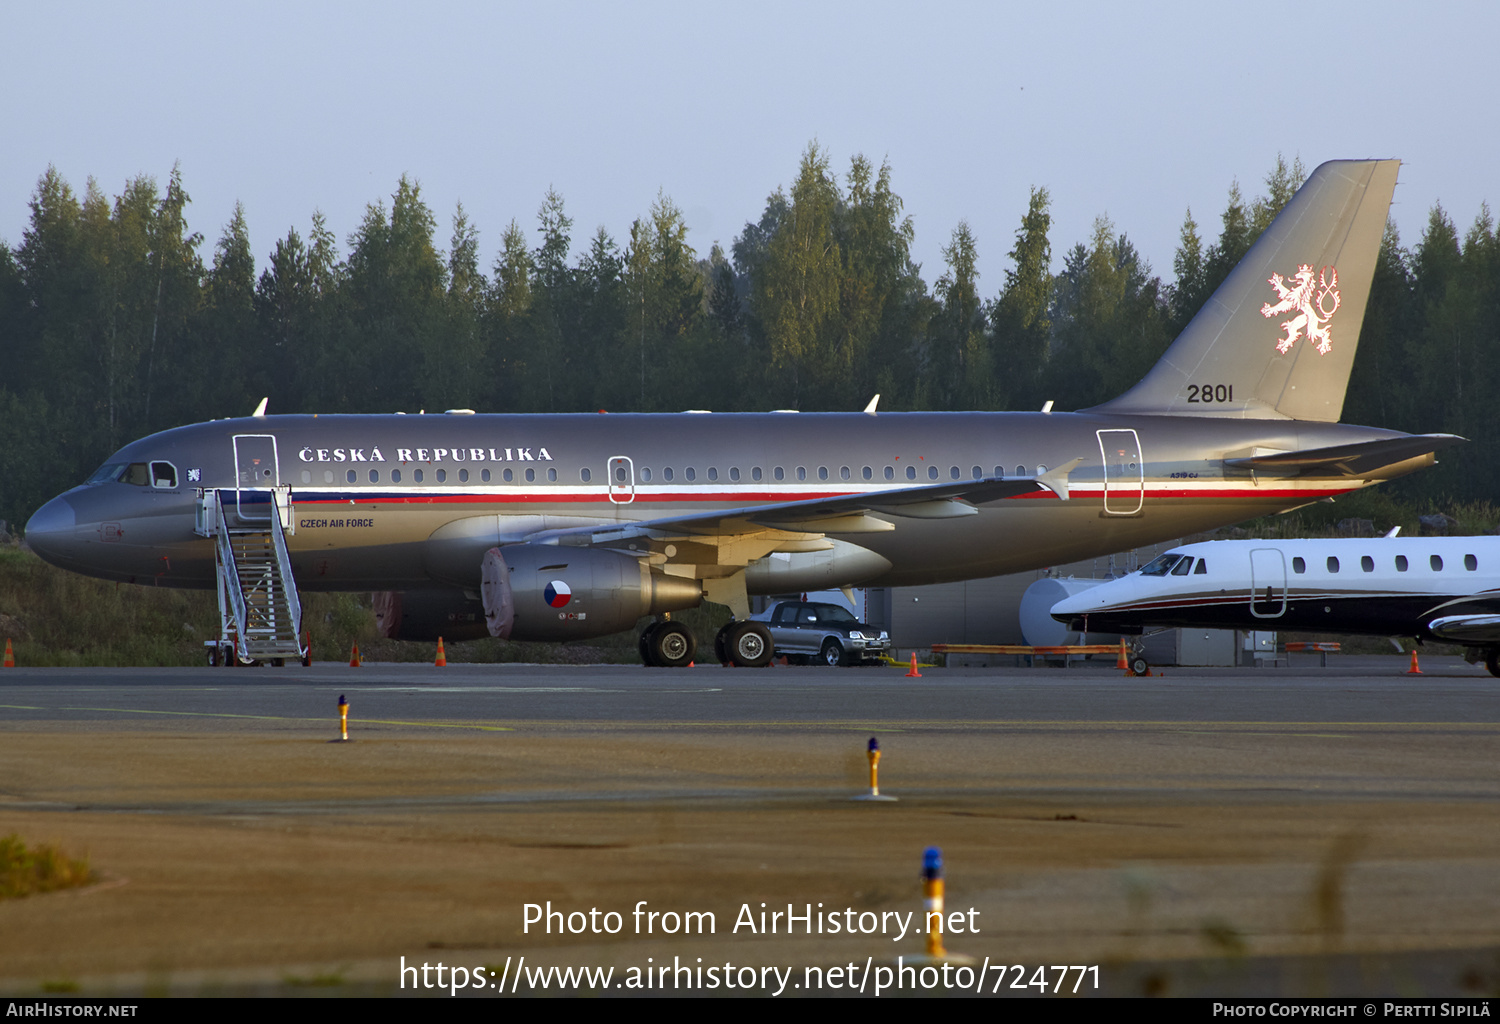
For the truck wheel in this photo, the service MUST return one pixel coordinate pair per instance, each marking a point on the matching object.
(832, 654)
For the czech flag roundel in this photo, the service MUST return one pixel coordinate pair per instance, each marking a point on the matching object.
(557, 593)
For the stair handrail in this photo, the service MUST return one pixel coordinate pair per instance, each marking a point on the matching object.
(282, 502)
(229, 570)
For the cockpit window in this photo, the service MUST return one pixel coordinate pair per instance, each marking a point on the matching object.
(1183, 567)
(1202, 569)
(163, 474)
(1161, 564)
(136, 474)
(106, 473)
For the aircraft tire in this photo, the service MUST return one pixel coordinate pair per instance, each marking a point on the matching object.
(721, 644)
(647, 646)
(749, 645)
(1492, 660)
(673, 646)
(1139, 665)
(832, 654)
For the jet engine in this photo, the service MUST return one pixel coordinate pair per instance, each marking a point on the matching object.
(429, 614)
(547, 592)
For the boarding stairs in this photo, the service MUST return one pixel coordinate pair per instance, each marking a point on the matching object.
(260, 614)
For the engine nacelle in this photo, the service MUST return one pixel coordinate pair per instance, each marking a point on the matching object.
(548, 592)
(429, 614)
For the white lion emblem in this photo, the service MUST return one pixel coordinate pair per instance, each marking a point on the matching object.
(1311, 304)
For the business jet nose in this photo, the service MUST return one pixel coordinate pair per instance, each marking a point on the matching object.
(50, 532)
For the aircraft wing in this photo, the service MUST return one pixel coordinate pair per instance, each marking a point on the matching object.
(1467, 629)
(1361, 459)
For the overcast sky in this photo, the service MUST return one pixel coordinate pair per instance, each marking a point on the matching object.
(1135, 111)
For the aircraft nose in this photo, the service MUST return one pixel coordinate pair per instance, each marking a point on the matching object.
(50, 531)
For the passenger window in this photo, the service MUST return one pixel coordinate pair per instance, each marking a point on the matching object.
(1367, 563)
(350, 476)
(1400, 563)
(1202, 569)
(801, 473)
(484, 474)
(583, 474)
(713, 472)
(1436, 561)
(530, 475)
(1471, 563)
(306, 477)
(666, 474)
(890, 473)
(844, 473)
(954, 473)
(755, 473)
(734, 474)
(375, 476)
(867, 473)
(1333, 564)
(1298, 565)
(442, 476)
(463, 476)
(1020, 471)
(979, 473)
(1183, 567)
(508, 474)
(932, 472)
(822, 472)
(416, 476)
(690, 473)
(395, 476)
(911, 472)
(779, 473)
(328, 476)
(551, 474)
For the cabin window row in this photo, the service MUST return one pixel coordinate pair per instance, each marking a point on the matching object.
(1402, 564)
(667, 475)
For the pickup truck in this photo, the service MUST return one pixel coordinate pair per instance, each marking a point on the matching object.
(825, 632)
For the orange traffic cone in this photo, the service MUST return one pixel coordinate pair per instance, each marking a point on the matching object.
(1414, 670)
(1121, 663)
(354, 658)
(10, 656)
(442, 659)
(913, 674)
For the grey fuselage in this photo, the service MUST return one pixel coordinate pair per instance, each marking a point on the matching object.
(1142, 479)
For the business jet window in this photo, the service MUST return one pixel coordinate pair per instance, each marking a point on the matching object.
(755, 473)
(1333, 564)
(374, 476)
(911, 472)
(801, 472)
(1202, 569)
(1161, 564)
(530, 475)
(442, 476)
(395, 476)
(463, 476)
(713, 472)
(1367, 563)
(416, 476)
(584, 474)
(1436, 561)
(1400, 563)
(1471, 563)
(779, 473)
(1299, 566)
(1183, 567)
(350, 476)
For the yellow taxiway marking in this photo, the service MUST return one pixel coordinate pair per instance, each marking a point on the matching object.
(275, 718)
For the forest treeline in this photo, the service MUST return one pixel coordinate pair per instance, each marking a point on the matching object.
(115, 322)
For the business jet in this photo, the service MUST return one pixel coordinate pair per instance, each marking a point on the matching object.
(554, 527)
(1428, 588)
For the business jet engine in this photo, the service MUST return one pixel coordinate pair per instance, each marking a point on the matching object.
(547, 592)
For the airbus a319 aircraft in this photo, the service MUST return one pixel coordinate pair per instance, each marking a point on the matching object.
(550, 527)
(1429, 588)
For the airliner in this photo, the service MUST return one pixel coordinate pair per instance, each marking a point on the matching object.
(1428, 588)
(553, 527)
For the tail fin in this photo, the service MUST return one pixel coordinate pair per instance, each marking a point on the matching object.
(1277, 338)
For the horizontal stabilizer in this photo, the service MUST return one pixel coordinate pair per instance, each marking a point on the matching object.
(1467, 629)
(1364, 459)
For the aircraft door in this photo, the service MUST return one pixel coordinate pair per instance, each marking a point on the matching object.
(621, 479)
(1124, 472)
(1267, 583)
(256, 473)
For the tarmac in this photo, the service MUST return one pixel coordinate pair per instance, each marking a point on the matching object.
(1272, 831)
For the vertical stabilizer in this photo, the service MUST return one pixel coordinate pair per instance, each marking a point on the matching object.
(1277, 338)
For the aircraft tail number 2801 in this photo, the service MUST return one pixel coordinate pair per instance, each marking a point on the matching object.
(567, 526)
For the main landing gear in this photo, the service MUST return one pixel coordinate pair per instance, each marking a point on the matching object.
(666, 644)
(744, 644)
